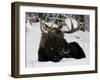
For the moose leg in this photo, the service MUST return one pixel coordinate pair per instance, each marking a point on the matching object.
(42, 56)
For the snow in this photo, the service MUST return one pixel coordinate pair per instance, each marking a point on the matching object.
(33, 37)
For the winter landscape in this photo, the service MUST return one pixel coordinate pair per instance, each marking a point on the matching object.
(33, 37)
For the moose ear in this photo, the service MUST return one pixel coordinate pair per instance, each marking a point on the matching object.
(44, 27)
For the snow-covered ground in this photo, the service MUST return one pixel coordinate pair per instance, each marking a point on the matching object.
(33, 37)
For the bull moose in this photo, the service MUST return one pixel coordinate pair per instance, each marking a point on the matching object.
(53, 46)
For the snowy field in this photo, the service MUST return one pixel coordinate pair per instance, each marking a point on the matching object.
(33, 37)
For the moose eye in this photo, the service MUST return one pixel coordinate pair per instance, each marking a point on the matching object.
(46, 26)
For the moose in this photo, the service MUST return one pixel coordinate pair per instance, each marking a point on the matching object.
(53, 47)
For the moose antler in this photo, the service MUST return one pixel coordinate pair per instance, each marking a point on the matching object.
(72, 28)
